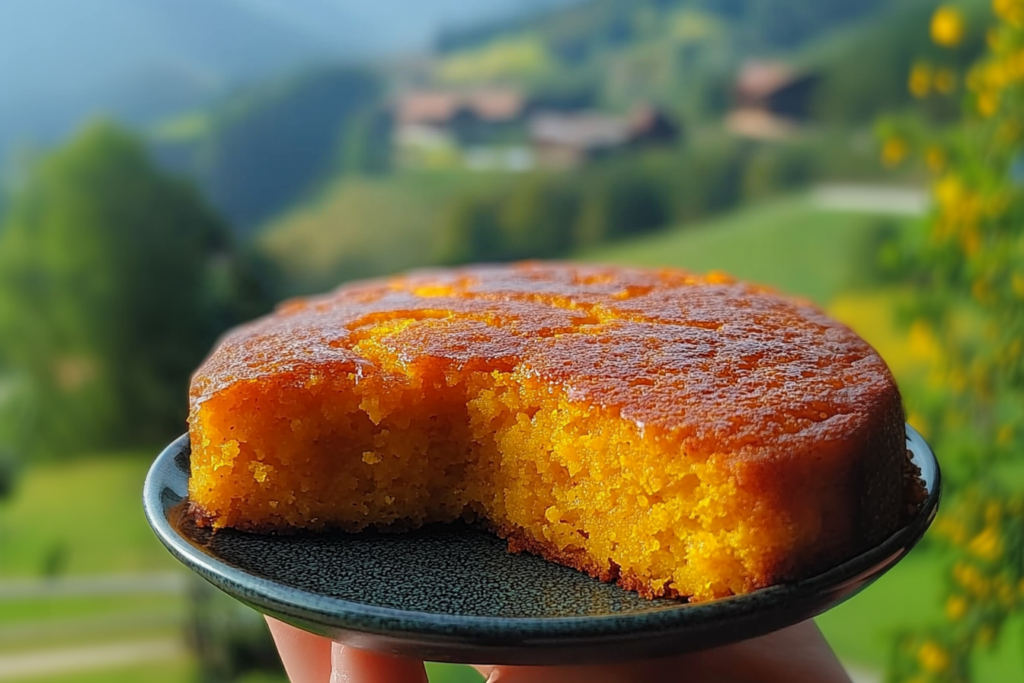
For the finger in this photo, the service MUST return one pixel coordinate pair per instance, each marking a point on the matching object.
(306, 658)
(352, 665)
(615, 673)
(798, 654)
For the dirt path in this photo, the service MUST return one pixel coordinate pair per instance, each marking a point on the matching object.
(877, 199)
(89, 586)
(30, 665)
(858, 675)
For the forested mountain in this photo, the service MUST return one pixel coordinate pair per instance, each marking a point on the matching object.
(258, 153)
(578, 31)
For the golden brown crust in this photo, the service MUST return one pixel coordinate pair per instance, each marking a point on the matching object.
(760, 374)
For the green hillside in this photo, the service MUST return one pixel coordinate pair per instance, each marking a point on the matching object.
(678, 52)
(685, 53)
(363, 227)
(265, 150)
(579, 31)
(788, 244)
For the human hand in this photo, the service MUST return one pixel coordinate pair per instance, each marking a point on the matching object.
(798, 654)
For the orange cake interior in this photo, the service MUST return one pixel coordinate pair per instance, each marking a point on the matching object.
(608, 420)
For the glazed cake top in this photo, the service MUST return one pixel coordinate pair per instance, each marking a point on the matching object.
(727, 366)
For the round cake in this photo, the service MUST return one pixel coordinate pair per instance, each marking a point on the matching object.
(687, 436)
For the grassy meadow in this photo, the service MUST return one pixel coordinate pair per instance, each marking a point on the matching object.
(82, 517)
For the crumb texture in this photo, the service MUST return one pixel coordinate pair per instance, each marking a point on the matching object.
(682, 435)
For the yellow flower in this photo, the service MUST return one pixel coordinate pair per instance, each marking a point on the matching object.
(1004, 436)
(924, 346)
(970, 240)
(1006, 594)
(1014, 349)
(947, 26)
(994, 39)
(956, 607)
(996, 76)
(988, 103)
(986, 634)
(1010, 11)
(894, 151)
(920, 81)
(918, 422)
(1017, 282)
(945, 81)
(935, 157)
(949, 191)
(952, 529)
(993, 513)
(972, 580)
(980, 291)
(933, 658)
(988, 545)
(1008, 132)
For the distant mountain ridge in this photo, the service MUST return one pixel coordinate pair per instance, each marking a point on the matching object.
(764, 24)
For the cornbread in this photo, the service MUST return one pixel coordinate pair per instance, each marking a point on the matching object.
(682, 435)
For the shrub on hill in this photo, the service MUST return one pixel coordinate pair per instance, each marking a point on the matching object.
(964, 269)
(621, 204)
(547, 215)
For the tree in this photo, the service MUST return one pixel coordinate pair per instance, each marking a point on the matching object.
(967, 267)
(228, 639)
(16, 408)
(366, 144)
(536, 220)
(114, 282)
(469, 231)
(621, 204)
(7, 475)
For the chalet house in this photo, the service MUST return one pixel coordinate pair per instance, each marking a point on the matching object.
(498, 129)
(771, 100)
(566, 140)
(464, 118)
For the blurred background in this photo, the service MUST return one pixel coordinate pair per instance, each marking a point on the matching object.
(169, 168)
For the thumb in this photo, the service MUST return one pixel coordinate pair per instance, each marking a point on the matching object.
(312, 659)
(306, 658)
(351, 665)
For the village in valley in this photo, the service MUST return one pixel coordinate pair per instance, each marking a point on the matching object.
(496, 128)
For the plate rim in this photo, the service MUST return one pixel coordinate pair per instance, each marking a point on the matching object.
(269, 596)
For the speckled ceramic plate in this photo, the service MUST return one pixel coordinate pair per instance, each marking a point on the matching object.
(454, 594)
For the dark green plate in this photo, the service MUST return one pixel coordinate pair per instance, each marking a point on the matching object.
(453, 594)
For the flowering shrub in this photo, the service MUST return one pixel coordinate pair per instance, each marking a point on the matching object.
(966, 263)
